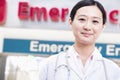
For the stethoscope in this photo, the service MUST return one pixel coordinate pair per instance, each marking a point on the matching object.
(69, 69)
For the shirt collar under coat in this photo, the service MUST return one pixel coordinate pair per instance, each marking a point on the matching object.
(66, 59)
(97, 57)
(96, 54)
(68, 54)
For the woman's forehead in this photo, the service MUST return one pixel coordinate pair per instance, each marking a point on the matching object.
(92, 11)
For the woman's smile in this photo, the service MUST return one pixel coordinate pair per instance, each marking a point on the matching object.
(86, 34)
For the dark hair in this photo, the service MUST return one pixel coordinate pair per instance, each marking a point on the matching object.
(88, 3)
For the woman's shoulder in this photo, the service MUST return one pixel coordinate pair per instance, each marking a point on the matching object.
(110, 62)
(111, 65)
(113, 70)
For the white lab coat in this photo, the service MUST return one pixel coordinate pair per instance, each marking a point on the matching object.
(53, 69)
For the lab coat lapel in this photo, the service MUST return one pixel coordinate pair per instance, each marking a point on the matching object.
(95, 65)
(74, 69)
(72, 64)
(61, 69)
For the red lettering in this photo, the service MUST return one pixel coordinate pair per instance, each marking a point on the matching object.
(2, 11)
(39, 12)
(23, 10)
(54, 14)
(64, 14)
(26, 12)
(113, 15)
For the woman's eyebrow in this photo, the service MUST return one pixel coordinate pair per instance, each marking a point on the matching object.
(93, 16)
(82, 15)
(97, 18)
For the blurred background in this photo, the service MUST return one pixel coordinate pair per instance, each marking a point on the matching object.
(40, 28)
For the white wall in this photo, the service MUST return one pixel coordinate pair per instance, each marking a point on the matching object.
(55, 35)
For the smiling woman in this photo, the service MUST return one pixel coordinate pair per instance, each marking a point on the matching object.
(82, 61)
(87, 24)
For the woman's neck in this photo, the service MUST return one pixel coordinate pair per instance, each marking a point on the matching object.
(84, 51)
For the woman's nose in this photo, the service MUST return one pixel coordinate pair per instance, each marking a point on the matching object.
(87, 26)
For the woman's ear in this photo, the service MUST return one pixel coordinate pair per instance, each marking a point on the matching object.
(103, 27)
(70, 21)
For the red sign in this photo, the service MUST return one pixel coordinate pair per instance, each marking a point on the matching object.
(55, 14)
(2, 11)
(114, 16)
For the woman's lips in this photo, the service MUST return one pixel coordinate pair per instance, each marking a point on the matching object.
(86, 34)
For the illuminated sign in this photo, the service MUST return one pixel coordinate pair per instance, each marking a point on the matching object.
(2, 11)
(53, 47)
(50, 15)
(113, 16)
(26, 12)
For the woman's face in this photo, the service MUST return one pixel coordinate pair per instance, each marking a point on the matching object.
(87, 25)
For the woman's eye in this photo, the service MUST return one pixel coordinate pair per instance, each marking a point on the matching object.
(95, 21)
(82, 19)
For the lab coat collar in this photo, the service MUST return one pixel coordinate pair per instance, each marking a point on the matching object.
(96, 57)
(61, 59)
(96, 54)
(64, 55)
(65, 58)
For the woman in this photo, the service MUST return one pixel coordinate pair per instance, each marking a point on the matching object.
(82, 61)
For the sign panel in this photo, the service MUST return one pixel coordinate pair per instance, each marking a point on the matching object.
(49, 47)
(51, 14)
